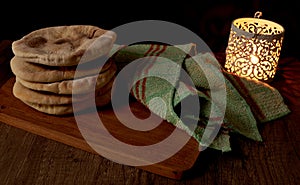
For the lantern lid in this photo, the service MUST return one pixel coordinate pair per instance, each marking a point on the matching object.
(258, 26)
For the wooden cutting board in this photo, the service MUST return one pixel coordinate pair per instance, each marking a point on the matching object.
(64, 129)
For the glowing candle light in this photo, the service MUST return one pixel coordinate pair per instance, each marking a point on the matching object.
(254, 48)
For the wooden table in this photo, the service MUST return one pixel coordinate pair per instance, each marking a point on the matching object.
(29, 158)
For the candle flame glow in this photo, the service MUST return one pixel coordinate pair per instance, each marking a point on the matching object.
(254, 59)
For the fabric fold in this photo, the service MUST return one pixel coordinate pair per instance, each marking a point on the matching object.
(168, 79)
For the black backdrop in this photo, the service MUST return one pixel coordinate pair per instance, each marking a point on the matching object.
(210, 19)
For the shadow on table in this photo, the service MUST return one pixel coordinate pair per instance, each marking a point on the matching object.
(210, 159)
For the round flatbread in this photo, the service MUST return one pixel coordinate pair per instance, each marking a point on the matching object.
(66, 109)
(28, 95)
(41, 97)
(33, 72)
(64, 45)
(76, 86)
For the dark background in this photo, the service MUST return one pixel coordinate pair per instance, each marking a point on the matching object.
(210, 19)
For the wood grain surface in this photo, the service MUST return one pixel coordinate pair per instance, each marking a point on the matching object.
(26, 157)
(64, 129)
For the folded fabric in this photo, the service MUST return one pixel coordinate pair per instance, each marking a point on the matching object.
(227, 103)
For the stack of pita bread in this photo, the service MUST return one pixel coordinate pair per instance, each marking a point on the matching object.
(59, 67)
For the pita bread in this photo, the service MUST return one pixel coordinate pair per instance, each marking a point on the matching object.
(77, 86)
(51, 109)
(33, 72)
(66, 109)
(64, 45)
(42, 97)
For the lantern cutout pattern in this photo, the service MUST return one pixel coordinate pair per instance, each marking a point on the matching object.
(254, 47)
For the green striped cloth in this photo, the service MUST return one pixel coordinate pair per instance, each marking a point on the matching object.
(247, 102)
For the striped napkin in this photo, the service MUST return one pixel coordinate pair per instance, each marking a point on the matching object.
(227, 103)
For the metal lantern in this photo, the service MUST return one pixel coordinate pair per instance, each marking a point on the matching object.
(254, 47)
